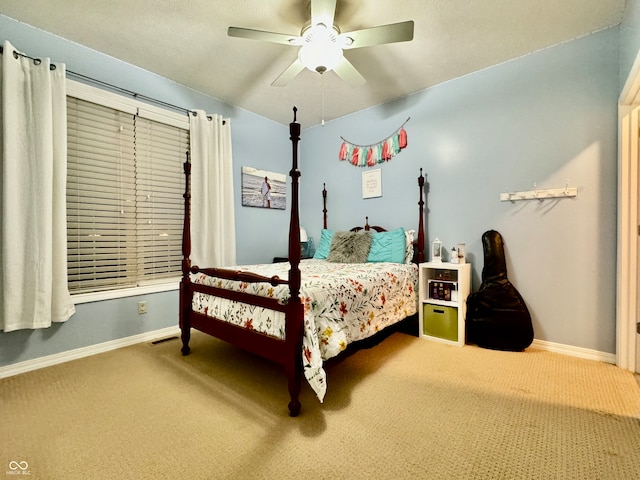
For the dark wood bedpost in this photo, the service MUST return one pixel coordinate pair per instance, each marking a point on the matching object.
(324, 205)
(294, 325)
(185, 289)
(420, 244)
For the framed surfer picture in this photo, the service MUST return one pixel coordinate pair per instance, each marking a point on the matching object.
(263, 189)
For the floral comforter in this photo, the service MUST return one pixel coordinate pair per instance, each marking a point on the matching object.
(342, 303)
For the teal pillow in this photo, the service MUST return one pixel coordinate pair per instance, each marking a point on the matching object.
(324, 245)
(388, 246)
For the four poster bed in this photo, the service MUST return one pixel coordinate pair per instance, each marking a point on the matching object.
(300, 313)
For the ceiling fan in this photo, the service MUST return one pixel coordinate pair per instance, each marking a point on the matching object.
(322, 43)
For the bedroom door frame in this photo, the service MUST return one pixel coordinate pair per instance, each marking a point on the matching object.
(628, 271)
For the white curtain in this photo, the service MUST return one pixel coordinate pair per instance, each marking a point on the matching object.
(33, 226)
(213, 231)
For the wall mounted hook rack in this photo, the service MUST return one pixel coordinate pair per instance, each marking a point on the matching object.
(542, 194)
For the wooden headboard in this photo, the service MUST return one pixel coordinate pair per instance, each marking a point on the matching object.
(418, 244)
(368, 227)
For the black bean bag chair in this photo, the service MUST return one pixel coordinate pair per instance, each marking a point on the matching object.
(497, 317)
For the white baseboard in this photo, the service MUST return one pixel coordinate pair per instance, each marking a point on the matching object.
(579, 352)
(49, 360)
(57, 358)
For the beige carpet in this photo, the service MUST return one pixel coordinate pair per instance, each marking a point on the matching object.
(408, 408)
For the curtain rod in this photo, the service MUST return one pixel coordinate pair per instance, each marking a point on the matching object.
(129, 92)
(17, 54)
(37, 61)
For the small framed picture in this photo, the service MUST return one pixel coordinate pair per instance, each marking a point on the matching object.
(371, 184)
(263, 189)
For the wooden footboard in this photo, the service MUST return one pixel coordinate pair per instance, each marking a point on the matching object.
(287, 352)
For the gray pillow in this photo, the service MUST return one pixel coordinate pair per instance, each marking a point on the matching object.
(349, 247)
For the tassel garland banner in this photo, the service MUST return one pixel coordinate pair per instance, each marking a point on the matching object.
(371, 155)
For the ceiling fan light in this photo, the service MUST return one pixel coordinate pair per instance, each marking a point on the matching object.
(320, 57)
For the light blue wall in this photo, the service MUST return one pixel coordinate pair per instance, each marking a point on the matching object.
(93, 323)
(629, 38)
(257, 142)
(543, 118)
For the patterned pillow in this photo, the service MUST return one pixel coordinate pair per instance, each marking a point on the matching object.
(349, 247)
(408, 256)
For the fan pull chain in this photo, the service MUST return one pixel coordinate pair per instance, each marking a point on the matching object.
(322, 99)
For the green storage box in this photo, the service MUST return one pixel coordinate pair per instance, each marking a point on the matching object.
(439, 321)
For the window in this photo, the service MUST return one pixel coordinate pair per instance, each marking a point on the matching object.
(125, 183)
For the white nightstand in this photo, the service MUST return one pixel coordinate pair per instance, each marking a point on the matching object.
(443, 292)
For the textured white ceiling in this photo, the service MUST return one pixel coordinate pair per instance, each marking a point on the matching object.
(186, 41)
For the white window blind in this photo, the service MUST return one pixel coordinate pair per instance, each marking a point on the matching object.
(124, 198)
(160, 154)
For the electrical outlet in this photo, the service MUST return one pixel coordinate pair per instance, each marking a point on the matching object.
(142, 308)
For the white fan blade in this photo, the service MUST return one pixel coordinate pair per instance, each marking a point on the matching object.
(367, 37)
(323, 11)
(264, 36)
(346, 71)
(289, 74)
